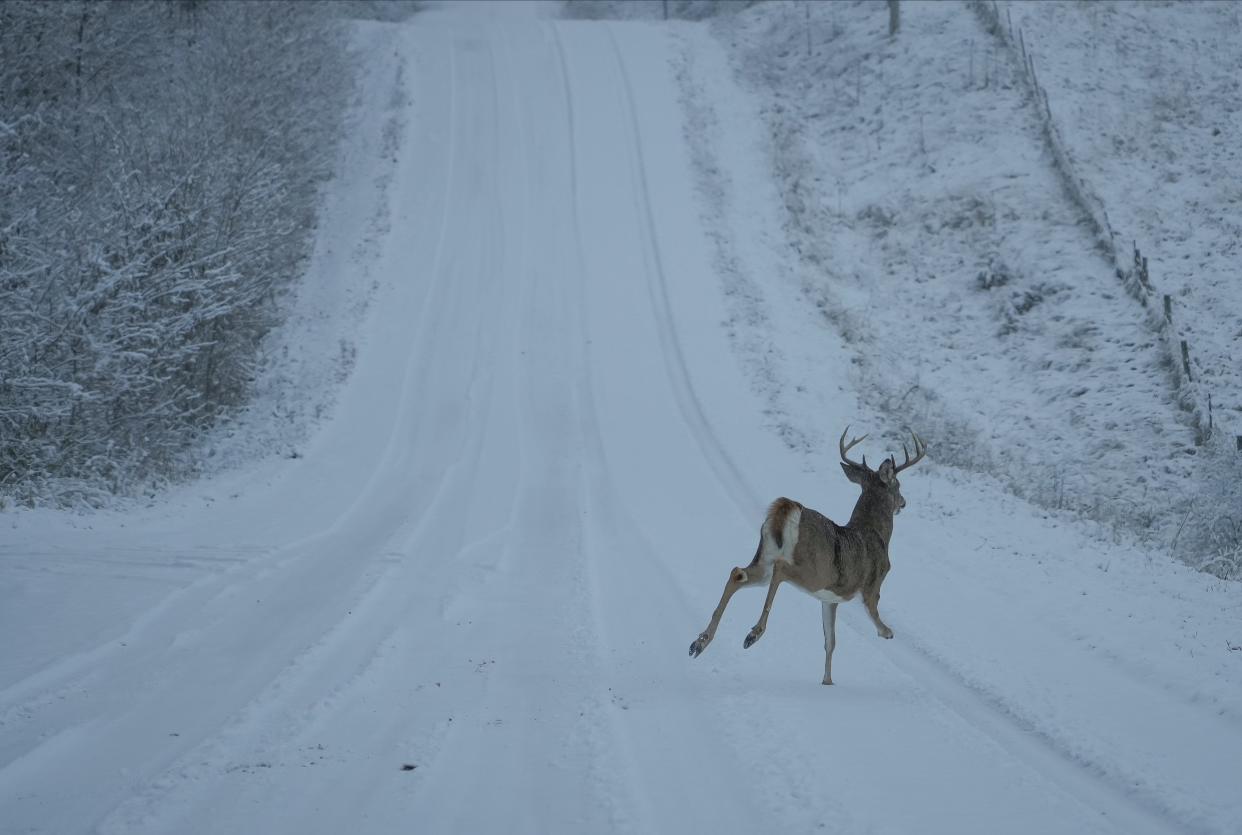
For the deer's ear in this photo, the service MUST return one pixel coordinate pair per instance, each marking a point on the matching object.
(887, 471)
(854, 472)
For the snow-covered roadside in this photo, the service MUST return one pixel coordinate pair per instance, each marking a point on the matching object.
(1143, 641)
(303, 363)
(936, 239)
(1096, 384)
(88, 576)
(1145, 99)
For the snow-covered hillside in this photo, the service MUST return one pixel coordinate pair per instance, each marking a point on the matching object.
(559, 328)
(1149, 99)
(936, 236)
(1146, 99)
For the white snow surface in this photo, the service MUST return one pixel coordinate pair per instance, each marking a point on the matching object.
(581, 372)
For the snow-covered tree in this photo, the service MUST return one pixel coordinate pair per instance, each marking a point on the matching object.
(159, 164)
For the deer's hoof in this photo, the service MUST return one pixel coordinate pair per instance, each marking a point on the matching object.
(886, 633)
(826, 680)
(700, 644)
(754, 635)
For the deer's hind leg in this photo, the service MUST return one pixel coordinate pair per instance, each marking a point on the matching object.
(830, 637)
(751, 575)
(781, 571)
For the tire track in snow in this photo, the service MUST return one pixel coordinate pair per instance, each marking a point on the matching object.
(596, 463)
(543, 302)
(676, 765)
(1088, 781)
(727, 472)
(541, 574)
(589, 422)
(71, 675)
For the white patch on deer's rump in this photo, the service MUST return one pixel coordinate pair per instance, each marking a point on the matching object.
(790, 534)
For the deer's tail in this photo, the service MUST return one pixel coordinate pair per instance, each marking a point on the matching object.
(780, 530)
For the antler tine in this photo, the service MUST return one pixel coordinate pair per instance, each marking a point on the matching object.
(845, 448)
(920, 449)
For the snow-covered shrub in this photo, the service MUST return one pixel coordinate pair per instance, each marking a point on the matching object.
(159, 166)
(996, 274)
(676, 9)
(386, 10)
(1211, 534)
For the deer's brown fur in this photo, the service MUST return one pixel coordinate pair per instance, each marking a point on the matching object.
(828, 561)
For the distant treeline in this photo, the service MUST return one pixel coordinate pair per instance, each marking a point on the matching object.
(159, 167)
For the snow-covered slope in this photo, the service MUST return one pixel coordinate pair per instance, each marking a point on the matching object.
(934, 234)
(1145, 98)
(466, 605)
(1149, 99)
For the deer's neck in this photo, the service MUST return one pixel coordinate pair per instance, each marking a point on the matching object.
(873, 513)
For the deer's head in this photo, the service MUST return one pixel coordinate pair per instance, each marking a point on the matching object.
(880, 485)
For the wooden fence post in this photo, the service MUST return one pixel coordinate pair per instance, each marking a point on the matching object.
(807, 7)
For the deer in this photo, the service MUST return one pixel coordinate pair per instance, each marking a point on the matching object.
(827, 561)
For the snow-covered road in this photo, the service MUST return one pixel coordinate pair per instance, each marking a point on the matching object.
(488, 565)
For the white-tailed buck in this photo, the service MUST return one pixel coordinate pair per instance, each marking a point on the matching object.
(827, 561)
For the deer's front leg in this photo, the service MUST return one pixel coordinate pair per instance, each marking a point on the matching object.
(871, 599)
(778, 576)
(738, 578)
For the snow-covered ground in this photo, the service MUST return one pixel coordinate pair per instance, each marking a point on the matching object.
(1148, 97)
(1145, 98)
(581, 361)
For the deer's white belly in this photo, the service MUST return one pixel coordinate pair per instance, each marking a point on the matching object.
(826, 596)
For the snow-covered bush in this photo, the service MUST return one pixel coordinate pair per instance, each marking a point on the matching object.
(1210, 536)
(386, 10)
(159, 164)
(675, 9)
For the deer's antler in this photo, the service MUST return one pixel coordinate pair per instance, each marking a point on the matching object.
(920, 449)
(845, 448)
